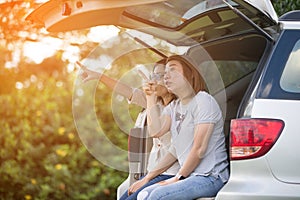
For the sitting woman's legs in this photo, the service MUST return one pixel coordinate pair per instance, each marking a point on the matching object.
(191, 188)
(153, 181)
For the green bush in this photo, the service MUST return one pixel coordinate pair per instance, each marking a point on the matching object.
(284, 6)
(41, 155)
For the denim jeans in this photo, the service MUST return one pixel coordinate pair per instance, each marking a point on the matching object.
(190, 188)
(153, 181)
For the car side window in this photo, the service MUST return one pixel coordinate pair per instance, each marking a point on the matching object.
(290, 78)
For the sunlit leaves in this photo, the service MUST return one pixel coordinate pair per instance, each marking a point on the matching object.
(283, 6)
(41, 155)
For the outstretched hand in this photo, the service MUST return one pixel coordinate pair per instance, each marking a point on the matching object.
(87, 74)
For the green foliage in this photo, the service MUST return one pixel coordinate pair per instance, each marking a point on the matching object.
(284, 6)
(41, 155)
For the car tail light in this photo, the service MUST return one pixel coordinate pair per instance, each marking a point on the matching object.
(252, 138)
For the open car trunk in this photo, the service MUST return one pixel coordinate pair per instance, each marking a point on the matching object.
(175, 21)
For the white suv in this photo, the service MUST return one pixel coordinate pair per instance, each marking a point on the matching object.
(258, 58)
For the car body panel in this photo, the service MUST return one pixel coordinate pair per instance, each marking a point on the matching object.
(248, 184)
(91, 13)
(283, 151)
(291, 25)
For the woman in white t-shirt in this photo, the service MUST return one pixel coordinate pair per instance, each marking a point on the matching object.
(136, 96)
(198, 142)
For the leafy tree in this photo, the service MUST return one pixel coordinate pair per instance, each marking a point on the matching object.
(284, 6)
(42, 156)
(13, 27)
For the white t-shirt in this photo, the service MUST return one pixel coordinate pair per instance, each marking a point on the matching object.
(201, 109)
(160, 145)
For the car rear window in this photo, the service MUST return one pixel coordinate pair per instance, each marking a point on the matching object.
(230, 70)
(172, 14)
(290, 80)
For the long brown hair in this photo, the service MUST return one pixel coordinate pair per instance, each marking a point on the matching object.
(190, 72)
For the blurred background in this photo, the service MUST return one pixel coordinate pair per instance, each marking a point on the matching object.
(41, 154)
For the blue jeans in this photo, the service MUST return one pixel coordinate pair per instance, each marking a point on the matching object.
(190, 188)
(153, 181)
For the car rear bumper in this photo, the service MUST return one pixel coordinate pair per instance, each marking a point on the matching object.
(253, 180)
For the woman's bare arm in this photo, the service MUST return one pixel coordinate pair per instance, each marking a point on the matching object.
(121, 88)
(202, 135)
(158, 124)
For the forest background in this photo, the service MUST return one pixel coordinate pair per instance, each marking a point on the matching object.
(41, 153)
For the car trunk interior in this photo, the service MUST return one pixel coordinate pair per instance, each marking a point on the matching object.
(245, 52)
